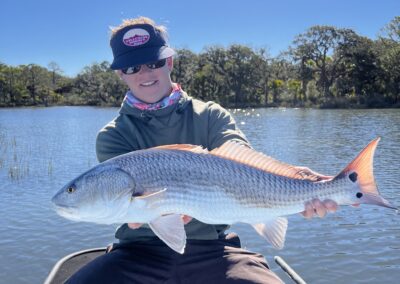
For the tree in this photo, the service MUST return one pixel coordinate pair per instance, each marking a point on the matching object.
(390, 63)
(210, 78)
(55, 71)
(12, 86)
(3, 83)
(392, 30)
(318, 44)
(304, 68)
(97, 84)
(239, 71)
(185, 65)
(276, 87)
(36, 78)
(359, 70)
(389, 55)
(294, 87)
(257, 88)
(262, 70)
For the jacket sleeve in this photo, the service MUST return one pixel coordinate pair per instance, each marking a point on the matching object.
(222, 127)
(110, 143)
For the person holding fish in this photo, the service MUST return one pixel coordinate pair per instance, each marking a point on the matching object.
(157, 112)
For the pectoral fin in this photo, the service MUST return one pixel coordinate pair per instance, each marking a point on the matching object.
(143, 194)
(170, 229)
(274, 231)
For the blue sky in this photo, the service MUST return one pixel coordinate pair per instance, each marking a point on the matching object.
(75, 33)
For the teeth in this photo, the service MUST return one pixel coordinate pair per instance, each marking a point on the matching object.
(149, 83)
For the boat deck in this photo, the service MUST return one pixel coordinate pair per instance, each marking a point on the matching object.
(68, 265)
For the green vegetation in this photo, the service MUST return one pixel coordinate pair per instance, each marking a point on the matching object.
(325, 67)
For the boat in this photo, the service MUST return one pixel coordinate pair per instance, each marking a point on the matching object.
(68, 265)
(71, 263)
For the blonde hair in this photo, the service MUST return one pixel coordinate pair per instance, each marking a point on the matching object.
(139, 20)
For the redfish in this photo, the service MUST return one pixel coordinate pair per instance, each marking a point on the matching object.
(227, 185)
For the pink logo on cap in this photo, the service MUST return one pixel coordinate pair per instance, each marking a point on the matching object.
(135, 37)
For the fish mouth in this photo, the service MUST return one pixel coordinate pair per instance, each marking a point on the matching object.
(59, 204)
(69, 212)
(64, 207)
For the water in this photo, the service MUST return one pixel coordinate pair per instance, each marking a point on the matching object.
(43, 148)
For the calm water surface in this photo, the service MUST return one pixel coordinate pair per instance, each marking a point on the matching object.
(43, 148)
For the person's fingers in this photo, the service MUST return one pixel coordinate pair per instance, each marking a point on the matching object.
(134, 225)
(308, 210)
(319, 207)
(109, 248)
(330, 205)
(186, 219)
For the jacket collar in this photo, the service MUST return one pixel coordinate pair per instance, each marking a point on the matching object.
(155, 117)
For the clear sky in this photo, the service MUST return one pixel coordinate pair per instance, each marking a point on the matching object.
(75, 33)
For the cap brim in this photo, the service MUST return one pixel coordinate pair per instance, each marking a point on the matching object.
(141, 56)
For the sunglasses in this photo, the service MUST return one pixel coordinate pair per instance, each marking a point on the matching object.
(151, 65)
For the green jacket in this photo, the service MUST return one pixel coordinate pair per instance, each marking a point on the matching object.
(190, 121)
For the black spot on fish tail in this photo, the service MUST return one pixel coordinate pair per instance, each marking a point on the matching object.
(353, 177)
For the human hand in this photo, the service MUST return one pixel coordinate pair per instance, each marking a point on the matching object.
(186, 219)
(316, 206)
(134, 225)
(319, 208)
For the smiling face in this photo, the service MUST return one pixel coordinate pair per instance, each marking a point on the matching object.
(150, 85)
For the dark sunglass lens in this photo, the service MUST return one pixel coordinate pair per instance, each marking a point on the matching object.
(131, 70)
(136, 68)
(127, 70)
(152, 65)
(157, 64)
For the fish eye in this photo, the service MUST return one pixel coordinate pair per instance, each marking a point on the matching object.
(71, 189)
(359, 194)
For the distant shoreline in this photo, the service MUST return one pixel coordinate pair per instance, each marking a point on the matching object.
(244, 106)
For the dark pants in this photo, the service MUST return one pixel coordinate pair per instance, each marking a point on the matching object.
(211, 261)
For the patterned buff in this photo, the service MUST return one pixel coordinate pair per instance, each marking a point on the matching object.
(173, 98)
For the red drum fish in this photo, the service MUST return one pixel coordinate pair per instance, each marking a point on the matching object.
(227, 185)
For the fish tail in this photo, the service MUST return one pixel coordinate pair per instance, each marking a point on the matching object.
(361, 171)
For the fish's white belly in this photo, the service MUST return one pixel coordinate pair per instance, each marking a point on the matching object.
(214, 206)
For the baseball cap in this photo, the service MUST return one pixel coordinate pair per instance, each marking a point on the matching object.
(138, 44)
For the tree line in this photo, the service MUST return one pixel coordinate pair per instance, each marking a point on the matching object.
(325, 67)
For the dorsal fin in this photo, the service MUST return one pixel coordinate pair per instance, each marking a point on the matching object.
(183, 147)
(241, 153)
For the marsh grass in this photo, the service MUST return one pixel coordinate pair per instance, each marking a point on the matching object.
(89, 163)
(3, 149)
(18, 161)
(18, 172)
(18, 167)
(50, 168)
(14, 159)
